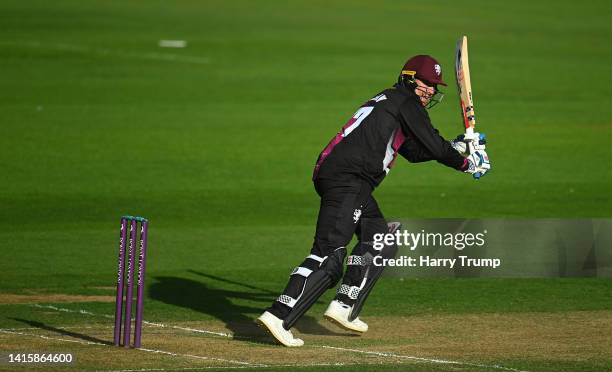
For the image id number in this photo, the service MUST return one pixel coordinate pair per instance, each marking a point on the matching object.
(40, 358)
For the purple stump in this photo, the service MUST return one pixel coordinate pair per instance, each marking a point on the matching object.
(141, 278)
(119, 299)
(127, 326)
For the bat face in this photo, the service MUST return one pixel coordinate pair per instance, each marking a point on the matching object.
(464, 86)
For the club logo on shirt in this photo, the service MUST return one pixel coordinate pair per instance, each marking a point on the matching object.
(356, 215)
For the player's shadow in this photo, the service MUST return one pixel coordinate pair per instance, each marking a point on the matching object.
(65, 332)
(221, 303)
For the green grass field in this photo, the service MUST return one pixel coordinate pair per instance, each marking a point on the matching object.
(215, 144)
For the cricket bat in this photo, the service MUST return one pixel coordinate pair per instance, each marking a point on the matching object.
(464, 86)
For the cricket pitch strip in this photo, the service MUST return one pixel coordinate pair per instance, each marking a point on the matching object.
(504, 342)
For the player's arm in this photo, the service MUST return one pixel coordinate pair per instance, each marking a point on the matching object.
(434, 146)
(476, 163)
(414, 152)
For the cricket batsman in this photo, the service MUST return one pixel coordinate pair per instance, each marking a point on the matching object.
(346, 173)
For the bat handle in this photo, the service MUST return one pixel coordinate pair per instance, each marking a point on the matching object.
(471, 147)
(477, 175)
(469, 132)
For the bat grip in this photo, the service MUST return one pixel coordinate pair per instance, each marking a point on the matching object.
(471, 147)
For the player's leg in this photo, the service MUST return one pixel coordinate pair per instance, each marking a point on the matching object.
(338, 218)
(361, 274)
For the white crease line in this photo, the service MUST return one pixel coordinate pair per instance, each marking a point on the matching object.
(388, 355)
(142, 349)
(200, 357)
(240, 367)
(439, 361)
(177, 369)
(113, 52)
(72, 327)
(53, 338)
(189, 329)
(64, 310)
(161, 325)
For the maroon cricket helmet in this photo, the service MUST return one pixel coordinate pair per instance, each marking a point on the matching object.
(425, 68)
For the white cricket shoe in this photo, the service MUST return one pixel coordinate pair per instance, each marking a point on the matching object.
(274, 325)
(338, 313)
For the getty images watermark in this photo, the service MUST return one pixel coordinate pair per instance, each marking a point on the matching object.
(415, 240)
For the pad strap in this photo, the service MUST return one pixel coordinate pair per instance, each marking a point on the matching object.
(317, 258)
(358, 261)
(352, 292)
(284, 299)
(301, 271)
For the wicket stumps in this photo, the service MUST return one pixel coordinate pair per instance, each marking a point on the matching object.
(124, 279)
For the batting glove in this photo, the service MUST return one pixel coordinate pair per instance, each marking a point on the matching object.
(478, 164)
(461, 143)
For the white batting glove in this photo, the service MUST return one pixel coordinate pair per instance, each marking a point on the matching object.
(478, 164)
(461, 143)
